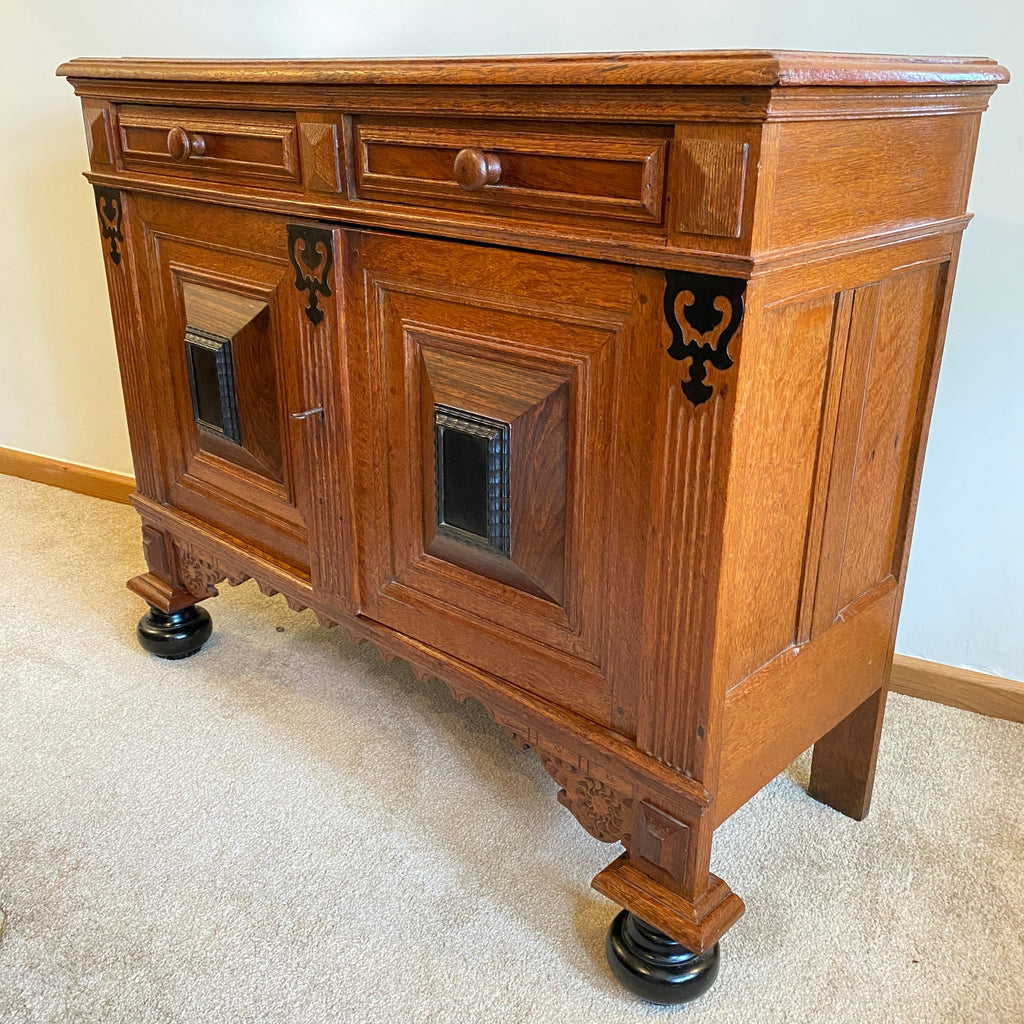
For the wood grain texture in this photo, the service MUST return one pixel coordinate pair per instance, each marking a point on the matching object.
(850, 178)
(705, 540)
(97, 132)
(614, 172)
(97, 483)
(555, 326)
(843, 762)
(320, 150)
(698, 925)
(799, 696)
(219, 144)
(958, 687)
(697, 67)
(135, 363)
(781, 396)
(712, 181)
(257, 487)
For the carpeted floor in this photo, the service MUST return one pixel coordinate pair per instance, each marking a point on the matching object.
(285, 829)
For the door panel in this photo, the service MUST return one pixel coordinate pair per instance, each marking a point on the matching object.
(493, 458)
(224, 333)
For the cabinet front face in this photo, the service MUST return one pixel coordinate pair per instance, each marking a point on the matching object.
(222, 322)
(503, 458)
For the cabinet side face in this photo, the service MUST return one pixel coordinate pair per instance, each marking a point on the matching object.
(818, 533)
(116, 215)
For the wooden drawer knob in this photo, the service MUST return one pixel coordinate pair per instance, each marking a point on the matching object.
(181, 145)
(474, 168)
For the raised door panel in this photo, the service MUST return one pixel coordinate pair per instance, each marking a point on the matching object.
(223, 324)
(504, 470)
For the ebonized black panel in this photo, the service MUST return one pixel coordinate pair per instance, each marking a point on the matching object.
(471, 478)
(211, 375)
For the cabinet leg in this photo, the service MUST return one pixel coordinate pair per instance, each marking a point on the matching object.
(175, 626)
(656, 967)
(174, 635)
(843, 764)
(664, 945)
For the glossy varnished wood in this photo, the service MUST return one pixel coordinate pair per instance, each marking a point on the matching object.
(699, 67)
(681, 315)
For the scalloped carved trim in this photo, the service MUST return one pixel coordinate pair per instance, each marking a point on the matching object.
(600, 802)
(200, 573)
(199, 576)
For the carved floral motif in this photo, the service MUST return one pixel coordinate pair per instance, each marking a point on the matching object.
(599, 809)
(197, 575)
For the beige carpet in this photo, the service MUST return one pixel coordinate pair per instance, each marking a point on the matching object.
(285, 829)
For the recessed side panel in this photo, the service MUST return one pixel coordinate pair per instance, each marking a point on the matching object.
(897, 355)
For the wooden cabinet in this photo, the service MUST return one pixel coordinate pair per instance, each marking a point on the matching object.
(597, 387)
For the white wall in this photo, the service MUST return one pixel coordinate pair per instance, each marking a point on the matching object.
(59, 391)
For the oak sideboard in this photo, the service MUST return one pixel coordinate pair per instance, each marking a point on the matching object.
(595, 386)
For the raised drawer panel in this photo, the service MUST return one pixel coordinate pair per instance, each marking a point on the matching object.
(225, 145)
(587, 170)
(712, 178)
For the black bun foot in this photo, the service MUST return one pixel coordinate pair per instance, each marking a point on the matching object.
(174, 635)
(655, 967)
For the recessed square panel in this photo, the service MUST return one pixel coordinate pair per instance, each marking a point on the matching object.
(471, 478)
(233, 376)
(494, 470)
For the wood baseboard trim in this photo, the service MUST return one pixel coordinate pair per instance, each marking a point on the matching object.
(958, 687)
(97, 483)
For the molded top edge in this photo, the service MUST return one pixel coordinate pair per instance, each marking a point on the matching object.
(695, 67)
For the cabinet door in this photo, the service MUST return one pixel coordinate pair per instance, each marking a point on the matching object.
(503, 458)
(234, 358)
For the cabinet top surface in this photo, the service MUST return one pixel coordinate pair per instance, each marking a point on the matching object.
(697, 67)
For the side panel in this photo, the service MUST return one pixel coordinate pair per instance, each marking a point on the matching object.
(858, 177)
(825, 571)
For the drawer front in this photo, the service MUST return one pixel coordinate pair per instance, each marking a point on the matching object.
(604, 171)
(216, 144)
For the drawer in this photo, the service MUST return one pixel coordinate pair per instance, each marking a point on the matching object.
(607, 171)
(222, 145)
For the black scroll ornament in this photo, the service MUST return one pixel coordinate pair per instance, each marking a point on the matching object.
(312, 256)
(108, 206)
(711, 313)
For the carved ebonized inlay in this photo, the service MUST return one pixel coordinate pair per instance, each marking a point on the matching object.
(211, 375)
(712, 308)
(108, 205)
(471, 478)
(312, 255)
